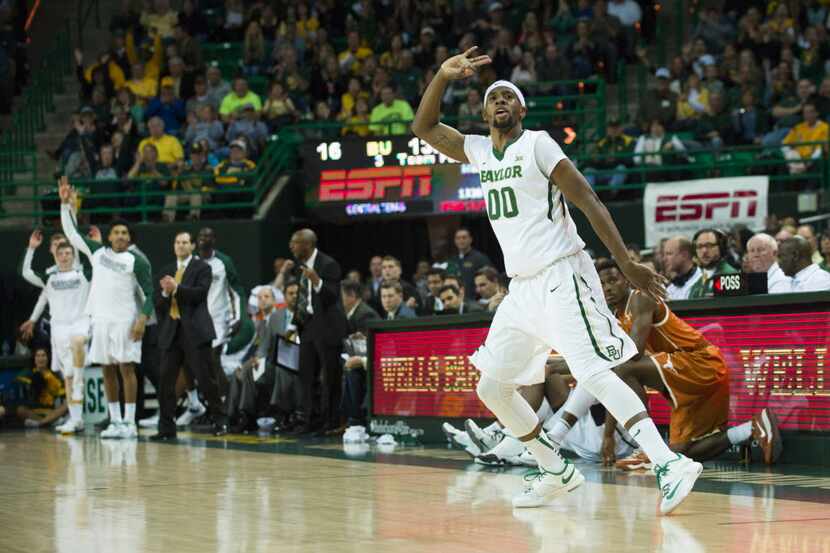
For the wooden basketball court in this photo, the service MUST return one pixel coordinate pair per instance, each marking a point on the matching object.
(246, 494)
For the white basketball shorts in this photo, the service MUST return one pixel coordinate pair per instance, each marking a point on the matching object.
(560, 308)
(62, 334)
(112, 344)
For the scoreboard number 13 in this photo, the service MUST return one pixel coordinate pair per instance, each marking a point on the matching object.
(329, 151)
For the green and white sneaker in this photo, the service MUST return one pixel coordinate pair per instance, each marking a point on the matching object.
(676, 478)
(544, 486)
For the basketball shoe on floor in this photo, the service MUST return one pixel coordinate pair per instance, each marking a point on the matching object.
(506, 452)
(112, 432)
(149, 422)
(527, 459)
(675, 479)
(638, 460)
(70, 427)
(460, 439)
(191, 414)
(483, 440)
(765, 432)
(544, 486)
(128, 431)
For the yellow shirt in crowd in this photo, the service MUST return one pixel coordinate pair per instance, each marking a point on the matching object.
(805, 133)
(169, 148)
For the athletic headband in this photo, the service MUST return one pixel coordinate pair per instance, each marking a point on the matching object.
(506, 84)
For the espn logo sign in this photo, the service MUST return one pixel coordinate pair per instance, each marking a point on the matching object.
(377, 183)
(706, 206)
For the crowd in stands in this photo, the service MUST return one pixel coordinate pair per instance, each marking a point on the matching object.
(155, 93)
(755, 73)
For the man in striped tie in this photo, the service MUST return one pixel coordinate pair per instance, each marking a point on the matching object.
(185, 334)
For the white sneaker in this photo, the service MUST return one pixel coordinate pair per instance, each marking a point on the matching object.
(460, 439)
(675, 480)
(483, 440)
(149, 422)
(112, 432)
(355, 435)
(506, 452)
(70, 427)
(527, 459)
(190, 415)
(128, 431)
(543, 486)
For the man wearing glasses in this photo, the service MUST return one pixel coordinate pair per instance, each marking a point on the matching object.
(710, 248)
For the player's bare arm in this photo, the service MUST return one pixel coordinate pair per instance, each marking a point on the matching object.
(577, 191)
(427, 125)
(642, 312)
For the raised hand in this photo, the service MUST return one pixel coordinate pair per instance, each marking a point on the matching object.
(463, 65)
(95, 234)
(36, 239)
(65, 190)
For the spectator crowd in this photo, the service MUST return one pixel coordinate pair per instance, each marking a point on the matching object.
(752, 74)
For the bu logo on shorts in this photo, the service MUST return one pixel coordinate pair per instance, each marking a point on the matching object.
(613, 352)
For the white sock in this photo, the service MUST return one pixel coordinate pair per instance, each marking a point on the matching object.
(740, 434)
(558, 431)
(115, 411)
(546, 453)
(76, 411)
(645, 433)
(193, 398)
(129, 412)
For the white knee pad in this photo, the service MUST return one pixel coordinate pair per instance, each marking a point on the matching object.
(78, 384)
(620, 400)
(508, 405)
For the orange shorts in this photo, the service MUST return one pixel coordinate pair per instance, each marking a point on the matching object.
(698, 385)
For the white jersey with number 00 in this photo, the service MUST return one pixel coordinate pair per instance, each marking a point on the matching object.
(527, 212)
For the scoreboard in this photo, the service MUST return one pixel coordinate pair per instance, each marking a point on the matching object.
(386, 176)
(391, 176)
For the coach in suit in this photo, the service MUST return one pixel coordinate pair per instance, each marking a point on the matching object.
(322, 326)
(185, 334)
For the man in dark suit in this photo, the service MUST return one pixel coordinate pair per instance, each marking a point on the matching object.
(185, 333)
(391, 299)
(322, 326)
(358, 315)
(466, 306)
(432, 304)
(469, 260)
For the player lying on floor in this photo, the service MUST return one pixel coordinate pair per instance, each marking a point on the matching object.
(492, 446)
(677, 361)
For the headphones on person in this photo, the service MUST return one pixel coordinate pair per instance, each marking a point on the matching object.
(720, 236)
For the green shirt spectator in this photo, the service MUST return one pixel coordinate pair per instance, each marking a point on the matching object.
(236, 98)
(390, 109)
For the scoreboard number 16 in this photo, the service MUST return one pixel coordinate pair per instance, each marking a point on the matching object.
(329, 151)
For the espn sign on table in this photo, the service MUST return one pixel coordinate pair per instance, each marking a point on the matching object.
(684, 207)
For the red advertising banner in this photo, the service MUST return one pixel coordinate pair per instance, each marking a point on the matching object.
(775, 359)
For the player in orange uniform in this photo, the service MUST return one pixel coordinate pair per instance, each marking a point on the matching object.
(678, 361)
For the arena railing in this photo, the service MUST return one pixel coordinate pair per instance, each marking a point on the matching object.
(706, 162)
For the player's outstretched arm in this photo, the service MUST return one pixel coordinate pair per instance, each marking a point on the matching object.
(642, 314)
(70, 226)
(30, 275)
(427, 125)
(577, 191)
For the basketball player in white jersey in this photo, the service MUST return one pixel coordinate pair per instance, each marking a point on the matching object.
(555, 300)
(120, 303)
(65, 290)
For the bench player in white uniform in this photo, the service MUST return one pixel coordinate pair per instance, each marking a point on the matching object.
(65, 290)
(120, 302)
(555, 300)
